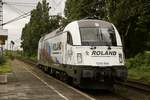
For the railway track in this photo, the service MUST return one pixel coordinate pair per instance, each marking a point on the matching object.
(111, 94)
(136, 85)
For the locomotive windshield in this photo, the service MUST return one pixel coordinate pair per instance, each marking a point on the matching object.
(96, 36)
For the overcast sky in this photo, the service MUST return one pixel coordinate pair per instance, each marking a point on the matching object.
(12, 10)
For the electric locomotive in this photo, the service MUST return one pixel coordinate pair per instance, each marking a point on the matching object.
(87, 53)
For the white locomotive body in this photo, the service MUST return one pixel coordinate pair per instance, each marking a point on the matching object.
(88, 53)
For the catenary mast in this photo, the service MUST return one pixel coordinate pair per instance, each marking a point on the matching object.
(1, 14)
(3, 32)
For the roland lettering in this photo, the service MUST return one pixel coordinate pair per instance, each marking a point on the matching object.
(106, 53)
(113, 53)
(94, 53)
(110, 53)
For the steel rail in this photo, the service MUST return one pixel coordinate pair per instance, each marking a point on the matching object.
(136, 85)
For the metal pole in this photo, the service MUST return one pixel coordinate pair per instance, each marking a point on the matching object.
(1, 14)
(1, 21)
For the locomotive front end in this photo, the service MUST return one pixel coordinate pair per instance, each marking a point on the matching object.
(99, 58)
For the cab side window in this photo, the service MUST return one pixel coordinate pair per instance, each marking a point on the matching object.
(69, 38)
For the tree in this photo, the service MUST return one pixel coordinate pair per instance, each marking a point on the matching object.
(131, 17)
(128, 16)
(40, 24)
(80, 9)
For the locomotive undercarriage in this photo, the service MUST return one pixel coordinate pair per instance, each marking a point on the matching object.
(97, 77)
(88, 77)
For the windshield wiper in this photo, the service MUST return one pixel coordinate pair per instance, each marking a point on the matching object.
(108, 44)
(101, 35)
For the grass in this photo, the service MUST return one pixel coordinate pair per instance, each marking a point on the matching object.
(5, 68)
(139, 68)
(139, 74)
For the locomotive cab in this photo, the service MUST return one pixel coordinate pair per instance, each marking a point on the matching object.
(95, 48)
(95, 43)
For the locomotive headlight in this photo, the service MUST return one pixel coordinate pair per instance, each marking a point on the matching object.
(79, 57)
(120, 58)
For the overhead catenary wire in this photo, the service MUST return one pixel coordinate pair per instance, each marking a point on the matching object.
(18, 18)
(24, 3)
(31, 4)
(15, 9)
(21, 4)
(24, 15)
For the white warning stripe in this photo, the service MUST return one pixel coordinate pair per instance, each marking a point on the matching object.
(51, 87)
(84, 94)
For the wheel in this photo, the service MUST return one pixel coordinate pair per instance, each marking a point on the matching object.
(69, 80)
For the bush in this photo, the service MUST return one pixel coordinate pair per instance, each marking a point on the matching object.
(5, 67)
(139, 67)
(142, 59)
(9, 54)
(2, 60)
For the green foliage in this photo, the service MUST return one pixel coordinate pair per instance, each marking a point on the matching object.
(79, 9)
(40, 24)
(5, 68)
(128, 16)
(9, 54)
(139, 67)
(140, 60)
(2, 60)
(131, 17)
(140, 74)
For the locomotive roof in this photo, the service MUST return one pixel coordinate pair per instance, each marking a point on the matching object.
(53, 33)
(93, 23)
(81, 23)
